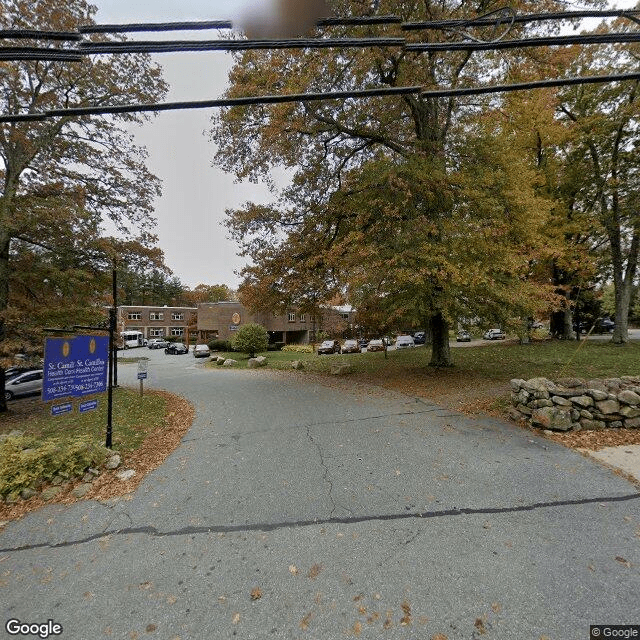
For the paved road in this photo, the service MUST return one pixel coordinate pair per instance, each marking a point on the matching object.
(347, 513)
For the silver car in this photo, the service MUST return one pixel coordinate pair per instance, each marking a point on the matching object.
(201, 351)
(23, 385)
(405, 342)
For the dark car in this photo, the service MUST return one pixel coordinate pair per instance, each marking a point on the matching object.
(463, 336)
(176, 349)
(158, 343)
(25, 384)
(419, 337)
(329, 346)
(601, 325)
(350, 346)
(363, 342)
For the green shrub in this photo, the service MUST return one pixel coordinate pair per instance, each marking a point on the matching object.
(251, 339)
(298, 348)
(220, 345)
(27, 462)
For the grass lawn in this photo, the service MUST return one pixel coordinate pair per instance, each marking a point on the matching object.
(133, 419)
(495, 362)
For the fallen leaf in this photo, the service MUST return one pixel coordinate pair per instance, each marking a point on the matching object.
(236, 618)
(314, 571)
(293, 569)
(497, 607)
(406, 618)
(304, 623)
(479, 625)
(256, 593)
(357, 628)
(621, 560)
(151, 628)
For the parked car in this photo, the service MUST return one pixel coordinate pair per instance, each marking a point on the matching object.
(12, 372)
(176, 348)
(375, 345)
(201, 351)
(363, 342)
(494, 334)
(158, 343)
(601, 325)
(329, 346)
(405, 342)
(27, 383)
(419, 337)
(350, 346)
(463, 336)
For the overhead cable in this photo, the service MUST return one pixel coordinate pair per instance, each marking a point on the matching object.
(142, 46)
(522, 86)
(547, 41)
(207, 104)
(33, 34)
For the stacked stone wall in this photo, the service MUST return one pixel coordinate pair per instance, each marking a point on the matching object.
(574, 404)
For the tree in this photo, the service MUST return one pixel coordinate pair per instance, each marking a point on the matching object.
(304, 247)
(63, 176)
(250, 338)
(207, 293)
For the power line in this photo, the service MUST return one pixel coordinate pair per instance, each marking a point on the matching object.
(548, 41)
(34, 34)
(207, 104)
(169, 46)
(522, 86)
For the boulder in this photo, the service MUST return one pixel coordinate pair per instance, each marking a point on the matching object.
(552, 418)
(608, 406)
(297, 364)
(598, 394)
(559, 400)
(254, 363)
(570, 383)
(632, 423)
(630, 412)
(113, 462)
(229, 362)
(517, 384)
(81, 490)
(583, 401)
(125, 474)
(593, 424)
(27, 493)
(629, 397)
(50, 492)
(340, 368)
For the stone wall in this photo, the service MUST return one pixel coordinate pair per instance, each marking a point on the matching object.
(574, 404)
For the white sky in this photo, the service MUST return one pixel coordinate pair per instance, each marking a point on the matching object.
(195, 194)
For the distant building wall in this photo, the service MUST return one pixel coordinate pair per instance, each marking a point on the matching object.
(159, 322)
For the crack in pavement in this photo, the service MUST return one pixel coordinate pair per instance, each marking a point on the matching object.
(275, 526)
(325, 477)
(319, 424)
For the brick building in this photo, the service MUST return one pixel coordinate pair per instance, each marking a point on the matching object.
(159, 321)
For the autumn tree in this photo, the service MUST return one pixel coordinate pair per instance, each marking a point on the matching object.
(353, 199)
(63, 176)
(207, 293)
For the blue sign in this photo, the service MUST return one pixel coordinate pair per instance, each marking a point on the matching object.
(59, 409)
(88, 405)
(75, 367)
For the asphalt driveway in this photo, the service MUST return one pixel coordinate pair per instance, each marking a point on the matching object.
(296, 510)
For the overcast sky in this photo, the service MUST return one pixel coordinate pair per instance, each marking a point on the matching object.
(195, 194)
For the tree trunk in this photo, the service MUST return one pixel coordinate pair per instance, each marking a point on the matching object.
(623, 299)
(5, 241)
(440, 351)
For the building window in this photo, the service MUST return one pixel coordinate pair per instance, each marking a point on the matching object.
(344, 316)
(134, 316)
(156, 316)
(177, 331)
(156, 333)
(303, 317)
(292, 317)
(177, 316)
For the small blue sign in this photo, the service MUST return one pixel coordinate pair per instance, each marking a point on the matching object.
(142, 375)
(88, 405)
(59, 409)
(75, 367)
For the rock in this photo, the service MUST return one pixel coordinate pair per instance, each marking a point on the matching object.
(608, 406)
(586, 414)
(598, 394)
(81, 490)
(629, 397)
(612, 384)
(593, 424)
(548, 432)
(630, 412)
(27, 493)
(93, 472)
(56, 480)
(568, 393)
(552, 418)
(113, 462)
(514, 414)
(229, 362)
(583, 401)
(632, 423)
(50, 492)
(559, 400)
(523, 408)
(340, 368)
(220, 360)
(87, 477)
(15, 433)
(254, 364)
(617, 424)
(570, 383)
(536, 404)
(125, 474)
(261, 360)
(596, 385)
(297, 364)
(517, 384)
(538, 384)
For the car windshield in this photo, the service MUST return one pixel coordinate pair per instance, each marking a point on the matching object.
(349, 343)
(327, 343)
